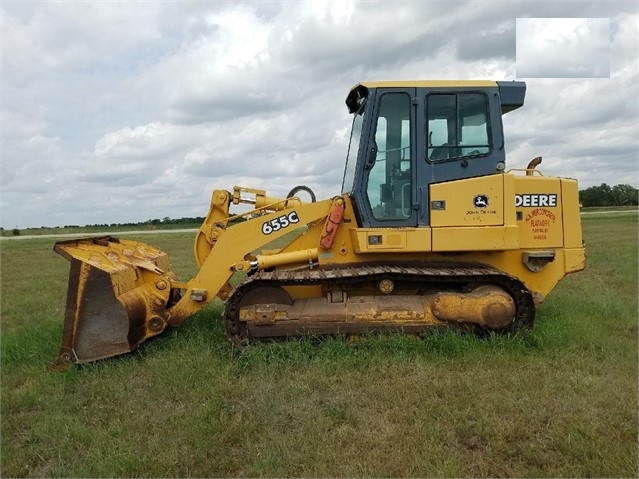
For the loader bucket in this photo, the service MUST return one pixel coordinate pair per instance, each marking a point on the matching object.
(117, 297)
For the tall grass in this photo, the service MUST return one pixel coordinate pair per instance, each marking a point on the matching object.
(560, 401)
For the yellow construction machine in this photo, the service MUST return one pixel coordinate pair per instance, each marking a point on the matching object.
(430, 230)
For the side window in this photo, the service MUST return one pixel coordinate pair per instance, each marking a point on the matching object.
(457, 126)
(389, 178)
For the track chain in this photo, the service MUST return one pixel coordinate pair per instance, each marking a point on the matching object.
(422, 276)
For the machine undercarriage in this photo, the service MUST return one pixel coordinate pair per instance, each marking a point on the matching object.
(358, 299)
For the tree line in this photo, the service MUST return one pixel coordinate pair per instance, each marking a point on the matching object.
(605, 195)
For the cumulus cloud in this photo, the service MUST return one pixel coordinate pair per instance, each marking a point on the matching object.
(116, 113)
(45, 37)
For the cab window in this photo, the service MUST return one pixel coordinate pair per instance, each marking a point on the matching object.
(457, 126)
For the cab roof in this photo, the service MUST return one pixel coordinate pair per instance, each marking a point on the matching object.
(511, 93)
(427, 84)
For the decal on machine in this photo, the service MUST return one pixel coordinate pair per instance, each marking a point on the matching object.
(540, 222)
(549, 200)
(280, 223)
(480, 201)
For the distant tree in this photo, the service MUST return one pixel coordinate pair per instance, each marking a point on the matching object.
(604, 195)
(591, 196)
(623, 195)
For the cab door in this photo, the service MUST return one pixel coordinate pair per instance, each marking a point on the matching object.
(386, 194)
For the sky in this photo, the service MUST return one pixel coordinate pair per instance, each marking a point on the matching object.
(115, 112)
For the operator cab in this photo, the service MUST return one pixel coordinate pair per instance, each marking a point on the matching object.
(409, 135)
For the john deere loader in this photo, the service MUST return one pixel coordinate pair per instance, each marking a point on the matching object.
(430, 230)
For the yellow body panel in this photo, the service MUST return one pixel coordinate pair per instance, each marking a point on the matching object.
(479, 238)
(571, 216)
(538, 203)
(458, 202)
(378, 240)
(575, 259)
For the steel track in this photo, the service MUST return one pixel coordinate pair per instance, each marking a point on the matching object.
(419, 277)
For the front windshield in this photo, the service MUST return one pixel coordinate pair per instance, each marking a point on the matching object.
(351, 157)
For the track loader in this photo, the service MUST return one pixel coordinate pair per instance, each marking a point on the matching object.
(430, 230)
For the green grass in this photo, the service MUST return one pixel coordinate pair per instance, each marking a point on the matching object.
(560, 401)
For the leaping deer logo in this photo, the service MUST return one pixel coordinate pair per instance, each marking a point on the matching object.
(480, 201)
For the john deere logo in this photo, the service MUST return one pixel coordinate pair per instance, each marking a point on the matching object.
(480, 201)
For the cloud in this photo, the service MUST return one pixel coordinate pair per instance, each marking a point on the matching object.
(40, 38)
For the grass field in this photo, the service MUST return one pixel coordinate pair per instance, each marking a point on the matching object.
(559, 401)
